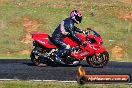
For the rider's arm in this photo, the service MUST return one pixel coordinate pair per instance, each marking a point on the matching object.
(73, 34)
(79, 30)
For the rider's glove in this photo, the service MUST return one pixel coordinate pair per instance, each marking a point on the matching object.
(85, 32)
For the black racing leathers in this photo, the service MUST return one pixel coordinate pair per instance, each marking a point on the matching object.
(66, 28)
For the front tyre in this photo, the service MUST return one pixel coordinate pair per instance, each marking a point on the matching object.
(98, 61)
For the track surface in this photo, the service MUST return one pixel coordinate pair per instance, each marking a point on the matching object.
(25, 70)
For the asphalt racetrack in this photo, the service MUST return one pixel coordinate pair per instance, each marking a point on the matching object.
(23, 69)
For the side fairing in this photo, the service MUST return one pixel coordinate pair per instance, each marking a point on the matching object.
(43, 40)
(73, 43)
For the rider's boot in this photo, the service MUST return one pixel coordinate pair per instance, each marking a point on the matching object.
(57, 58)
(63, 52)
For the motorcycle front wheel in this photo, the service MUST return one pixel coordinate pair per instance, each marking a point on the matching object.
(98, 61)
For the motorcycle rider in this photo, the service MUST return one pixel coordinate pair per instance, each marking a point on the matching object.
(67, 28)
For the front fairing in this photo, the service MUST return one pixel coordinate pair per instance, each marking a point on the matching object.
(91, 47)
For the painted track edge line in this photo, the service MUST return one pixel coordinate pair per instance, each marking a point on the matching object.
(37, 80)
(9, 79)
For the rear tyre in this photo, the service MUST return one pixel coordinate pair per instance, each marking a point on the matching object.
(37, 59)
(98, 61)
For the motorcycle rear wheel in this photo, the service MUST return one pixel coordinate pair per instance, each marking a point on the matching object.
(38, 60)
(98, 62)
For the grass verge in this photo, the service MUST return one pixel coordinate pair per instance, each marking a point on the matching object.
(31, 84)
(111, 20)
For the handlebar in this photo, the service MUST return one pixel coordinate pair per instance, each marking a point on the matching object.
(87, 32)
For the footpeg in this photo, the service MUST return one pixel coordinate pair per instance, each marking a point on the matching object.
(75, 62)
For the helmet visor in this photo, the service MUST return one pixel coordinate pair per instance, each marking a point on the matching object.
(79, 19)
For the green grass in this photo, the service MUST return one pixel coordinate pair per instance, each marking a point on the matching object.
(14, 56)
(30, 84)
(50, 13)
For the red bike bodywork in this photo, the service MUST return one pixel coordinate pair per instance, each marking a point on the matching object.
(94, 46)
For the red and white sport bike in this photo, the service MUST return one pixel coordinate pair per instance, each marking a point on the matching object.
(45, 51)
